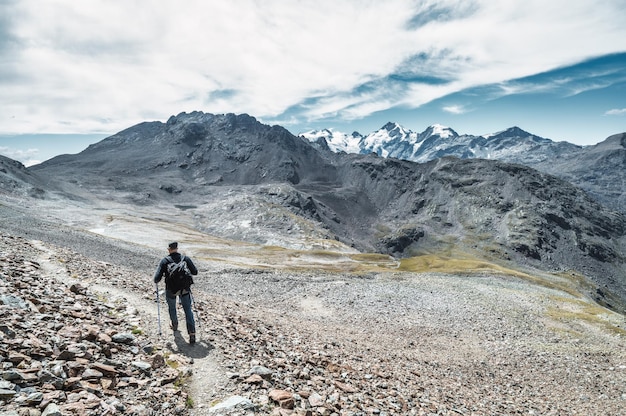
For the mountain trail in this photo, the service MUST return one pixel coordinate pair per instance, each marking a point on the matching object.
(323, 343)
(207, 373)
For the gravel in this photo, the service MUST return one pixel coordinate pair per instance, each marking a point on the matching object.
(380, 343)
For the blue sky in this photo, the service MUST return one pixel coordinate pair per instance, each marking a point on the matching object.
(74, 72)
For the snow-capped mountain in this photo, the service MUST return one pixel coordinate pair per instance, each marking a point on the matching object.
(336, 141)
(393, 140)
(599, 169)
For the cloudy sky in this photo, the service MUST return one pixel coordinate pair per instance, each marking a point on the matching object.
(73, 72)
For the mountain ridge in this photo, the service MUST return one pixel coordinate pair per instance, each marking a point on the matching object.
(237, 177)
(605, 181)
(434, 135)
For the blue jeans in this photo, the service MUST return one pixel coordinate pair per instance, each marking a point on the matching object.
(185, 300)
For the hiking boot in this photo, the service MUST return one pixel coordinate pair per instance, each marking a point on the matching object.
(174, 326)
(192, 338)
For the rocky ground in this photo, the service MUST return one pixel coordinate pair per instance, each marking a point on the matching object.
(79, 334)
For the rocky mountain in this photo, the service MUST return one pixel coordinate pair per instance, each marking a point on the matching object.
(600, 170)
(201, 148)
(336, 141)
(245, 180)
(597, 169)
(15, 179)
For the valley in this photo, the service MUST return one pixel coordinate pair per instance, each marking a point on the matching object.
(364, 335)
(334, 284)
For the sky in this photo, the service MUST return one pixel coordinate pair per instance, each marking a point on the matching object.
(74, 72)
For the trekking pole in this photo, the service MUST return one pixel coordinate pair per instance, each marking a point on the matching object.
(158, 307)
(195, 310)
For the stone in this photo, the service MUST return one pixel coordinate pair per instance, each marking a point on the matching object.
(254, 379)
(107, 384)
(34, 398)
(142, 366)
(48, 377)
(91, 373)
(264, 372)
(52, 410)
(6, 394)
(158, 361)
(78, 288)
(232, 403)
(13, 301)
(124, 338)
(7, 385)
(17, 357)
(104, 368)
(66, 355)
(316, 400)
(6, 330)
(284, 398)
(346, 387)
(16, 375)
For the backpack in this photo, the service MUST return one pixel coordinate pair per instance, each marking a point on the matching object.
(178, 275)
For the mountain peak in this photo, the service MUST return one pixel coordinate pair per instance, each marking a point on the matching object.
(395, 129)
(439, 130)
(514, 132)
(335, 140)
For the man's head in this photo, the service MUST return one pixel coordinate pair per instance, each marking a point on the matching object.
(172, 247)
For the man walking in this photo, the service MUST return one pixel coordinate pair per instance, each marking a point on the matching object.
(174, 290)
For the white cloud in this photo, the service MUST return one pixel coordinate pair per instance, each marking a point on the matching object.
(454, 109)
(101, 66)
(616, 112)
(27, 157)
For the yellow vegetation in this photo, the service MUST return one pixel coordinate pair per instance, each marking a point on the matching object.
(577, 310)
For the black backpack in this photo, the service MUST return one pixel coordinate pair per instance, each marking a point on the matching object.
(178, 275)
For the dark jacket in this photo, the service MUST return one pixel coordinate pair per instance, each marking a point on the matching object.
(162, 267)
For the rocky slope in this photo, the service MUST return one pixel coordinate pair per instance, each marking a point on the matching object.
(261, 181)
(15, 179)
(598, 169)
(201, 149)
(66, 349)
(285, 343)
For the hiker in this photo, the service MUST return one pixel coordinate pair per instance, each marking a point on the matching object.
(173, 289)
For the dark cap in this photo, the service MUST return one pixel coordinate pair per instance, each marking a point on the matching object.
(173, 245)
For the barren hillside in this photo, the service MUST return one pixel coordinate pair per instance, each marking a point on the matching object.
(278, 341)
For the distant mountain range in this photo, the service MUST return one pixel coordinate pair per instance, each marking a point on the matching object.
(393, 140)
(599, 169)
(236, 178)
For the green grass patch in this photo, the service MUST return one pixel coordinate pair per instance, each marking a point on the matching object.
(189, 402)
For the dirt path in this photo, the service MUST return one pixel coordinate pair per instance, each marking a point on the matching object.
(207, 373)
